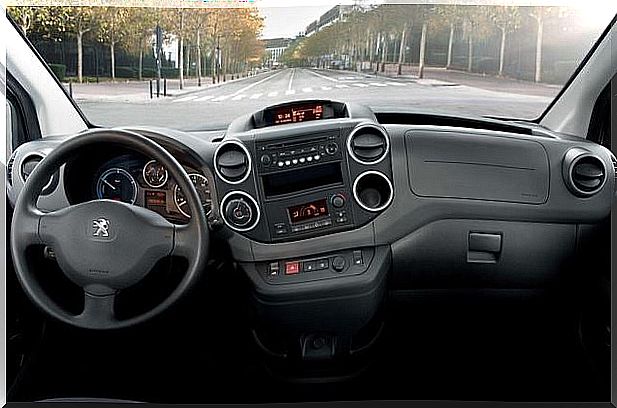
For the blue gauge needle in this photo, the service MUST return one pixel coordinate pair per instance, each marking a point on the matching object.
(109, 184)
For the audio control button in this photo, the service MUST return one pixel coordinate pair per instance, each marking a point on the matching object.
(337, 201)
(331, 148)
(266, 160)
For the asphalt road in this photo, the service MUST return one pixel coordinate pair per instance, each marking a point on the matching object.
(215, 106)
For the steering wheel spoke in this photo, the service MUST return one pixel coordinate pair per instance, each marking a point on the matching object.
(184, 241)
(98, 310)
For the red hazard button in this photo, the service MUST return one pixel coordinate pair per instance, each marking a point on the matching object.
(292, 268)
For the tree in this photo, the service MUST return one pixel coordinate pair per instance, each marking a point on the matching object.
(25, 17)
(81, 21)
(539, 14)
(506, 19)
(451, 14)
(112, 29)
(141, 24)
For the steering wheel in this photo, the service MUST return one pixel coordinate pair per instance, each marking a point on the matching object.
(105, 246)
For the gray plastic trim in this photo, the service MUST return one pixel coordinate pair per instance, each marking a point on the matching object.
(21, 176)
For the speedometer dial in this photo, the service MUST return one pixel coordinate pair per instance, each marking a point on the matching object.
(203, 190)
(155, 174)
(117, 184)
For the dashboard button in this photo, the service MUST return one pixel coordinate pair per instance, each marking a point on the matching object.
(292, 268)
(309, 159)
(295, 161)
(357, 258)
(331, 148)
(266, 160)
(317, 157)
(338, 201)
(281, 164)
(309, 266)
(302, 159)
(322, 264)
(287, 162)
(274, 269)
(339, 263)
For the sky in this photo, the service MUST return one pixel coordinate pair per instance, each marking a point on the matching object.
(289, 21)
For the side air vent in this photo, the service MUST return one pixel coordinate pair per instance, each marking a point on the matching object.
(9, 169)
(232, 162)
(584, 173)
(368, 144)
(28, 164)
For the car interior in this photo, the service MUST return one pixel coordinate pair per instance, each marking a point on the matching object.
(352, 254)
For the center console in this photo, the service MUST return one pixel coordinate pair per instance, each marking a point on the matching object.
(298, 173)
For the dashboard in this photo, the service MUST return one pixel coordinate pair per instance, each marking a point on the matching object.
(326, 186)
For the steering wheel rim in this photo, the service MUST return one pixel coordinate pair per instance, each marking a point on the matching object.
(79, 224)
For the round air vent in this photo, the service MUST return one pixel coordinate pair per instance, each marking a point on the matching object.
(368, 144)
(232, 162)
(373, 191)
(28, 164)
(585, 174)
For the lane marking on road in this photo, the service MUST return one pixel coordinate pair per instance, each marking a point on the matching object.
(377, 84)
(342, 86)
(290, 92)
(222, 98)
(291, 79)
(186, 98)
(238, 97)
(323, 76)
(307, 90)
(274, 93)
(246, 88)
(360, 85)
(255, 96)
(204, 98)
(395, 83)
(326, 88)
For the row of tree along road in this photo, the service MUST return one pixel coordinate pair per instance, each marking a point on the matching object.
(534, 43)
(218, 41)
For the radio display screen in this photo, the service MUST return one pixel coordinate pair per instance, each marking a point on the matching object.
(308, 211)
(300, 113)
(303, 179)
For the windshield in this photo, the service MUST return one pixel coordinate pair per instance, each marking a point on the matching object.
(201, 67)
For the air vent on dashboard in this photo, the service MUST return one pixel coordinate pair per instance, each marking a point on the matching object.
(584, 173)
(27, 166)
(232, 162)
(368, 144)
(9, 169)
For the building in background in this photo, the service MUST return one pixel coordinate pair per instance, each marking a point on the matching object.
(275, 47)
(336, 13)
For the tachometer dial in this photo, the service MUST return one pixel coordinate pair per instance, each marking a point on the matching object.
(117, 184)
(203, 190)
(155, 174)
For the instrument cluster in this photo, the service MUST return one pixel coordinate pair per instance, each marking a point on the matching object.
(147, 183)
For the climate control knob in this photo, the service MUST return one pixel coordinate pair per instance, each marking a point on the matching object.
(239, 212)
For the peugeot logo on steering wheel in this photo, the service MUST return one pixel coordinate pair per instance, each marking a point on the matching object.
(100, 227)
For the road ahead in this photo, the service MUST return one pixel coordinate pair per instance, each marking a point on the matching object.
(216, 105)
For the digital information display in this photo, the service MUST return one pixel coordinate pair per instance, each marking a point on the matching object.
(315, 209)
(156, 198)
(293, 114)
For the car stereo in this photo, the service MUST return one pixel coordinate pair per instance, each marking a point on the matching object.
(304, 182)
